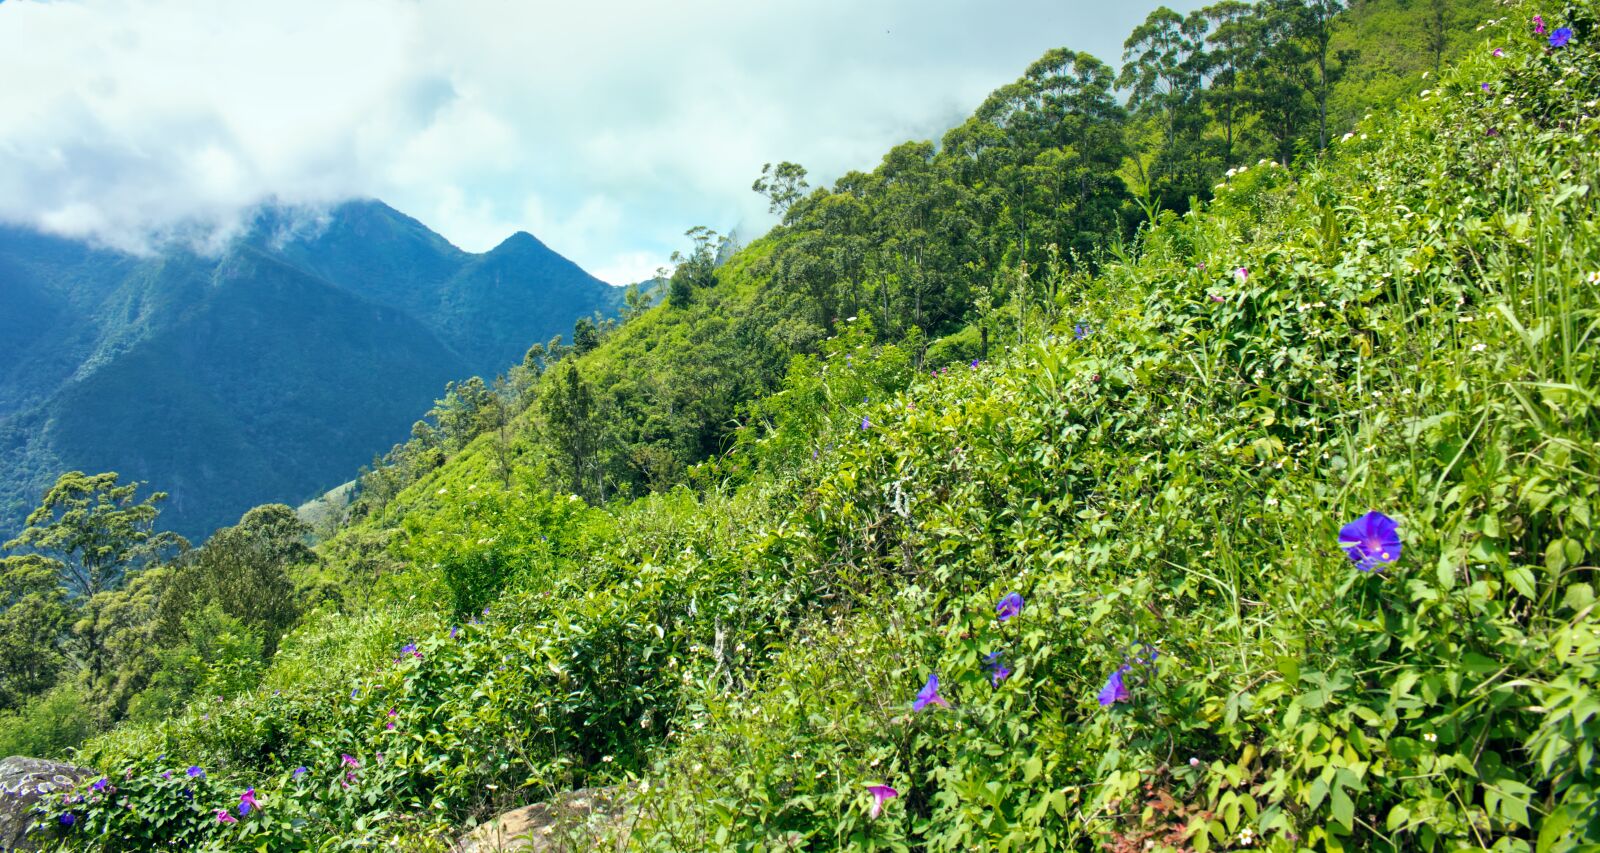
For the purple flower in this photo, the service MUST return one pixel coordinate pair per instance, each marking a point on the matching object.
(453, 631)
(224, 817)
(408, 649)
(1484, 86)
(1560, 37)
(247, 801)
(166, 774)
(355, 693)
(974, 364)
(1114, 691)
(1498, 52)
(1080, 331)
(299, 771)
(1370, 540)
(1242, 274)
(1538, 25)
(880, 795)
(998, 671)
(196, 773)
(102, 784)
(1008, 607)
(865, 424)
(349, 761)
(929, 695)
(68, 818)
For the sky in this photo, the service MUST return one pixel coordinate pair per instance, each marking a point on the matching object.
(604, 128)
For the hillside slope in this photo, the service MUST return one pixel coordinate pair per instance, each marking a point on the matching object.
(266, 374)
(1162, 463)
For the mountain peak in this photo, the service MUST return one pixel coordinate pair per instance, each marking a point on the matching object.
(521, 241)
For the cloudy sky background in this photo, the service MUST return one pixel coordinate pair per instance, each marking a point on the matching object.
(604, 128)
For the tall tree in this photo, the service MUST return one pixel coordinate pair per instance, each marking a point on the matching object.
(95, 531)
(783, 185)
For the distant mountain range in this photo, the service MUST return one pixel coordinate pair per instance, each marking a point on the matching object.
(266, 373)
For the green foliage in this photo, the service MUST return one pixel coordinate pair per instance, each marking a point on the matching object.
(32, 628)
(48, 726)
(1158, 455)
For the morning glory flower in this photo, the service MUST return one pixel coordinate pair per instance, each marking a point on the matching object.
(1242, 274)
(865, 423)
(1560, 37)
(196, 773)
(1484, 86)
(299, 771)
(1370, 540)
(1080, 331)
(1498, 52)
(224, 817)
(1114, 691)
(453, 631)
(1538, 25)
(68, 818)
(880, 795)
(1008, 607)
(974, 364)
(102, 784)
(247, 801)
(998, 671)
(349, 761)
(929, 695)
(408, 649)
(355, 693)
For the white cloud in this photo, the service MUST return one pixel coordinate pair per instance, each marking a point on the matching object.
(604, 128)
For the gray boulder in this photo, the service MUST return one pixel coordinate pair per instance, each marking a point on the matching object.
(24, 784)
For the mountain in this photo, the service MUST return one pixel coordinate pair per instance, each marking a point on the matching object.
(266, 373)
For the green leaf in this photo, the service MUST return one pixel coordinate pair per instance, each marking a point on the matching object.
(1521, 580)
(1344, 809)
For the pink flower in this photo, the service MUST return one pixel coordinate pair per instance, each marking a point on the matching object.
(1498, 52)
(224, 817)
(1242, 274)
(1538, 25)
(349, 761)
(880, 795)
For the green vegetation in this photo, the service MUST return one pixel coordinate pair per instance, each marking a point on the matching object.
(719, 554)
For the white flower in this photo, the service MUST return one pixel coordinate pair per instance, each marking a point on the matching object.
(1348, 136)
(1594, 277)
(441, 491)
(606, 759)
(1430, 737)
(1479, 347)
(1425, 93)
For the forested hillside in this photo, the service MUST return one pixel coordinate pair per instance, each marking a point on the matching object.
(1117, 474)
(267, 373)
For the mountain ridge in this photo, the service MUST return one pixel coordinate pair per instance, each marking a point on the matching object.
(109, 358)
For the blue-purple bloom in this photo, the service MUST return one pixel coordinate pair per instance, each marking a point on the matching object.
(247, 801)
(865, 423)
(1114, 691)
(1081, 331)
(453, 631)
(1560, 37)
(1370, 540)
(929, 695)
(1008, 607)
(880, 795)
(196, 773)
(299, 771)
(102, 784)
(998, 671)
(974, 364)
(68, 818)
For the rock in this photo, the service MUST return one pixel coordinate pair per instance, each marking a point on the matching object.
(24, 783)
(573, 821)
